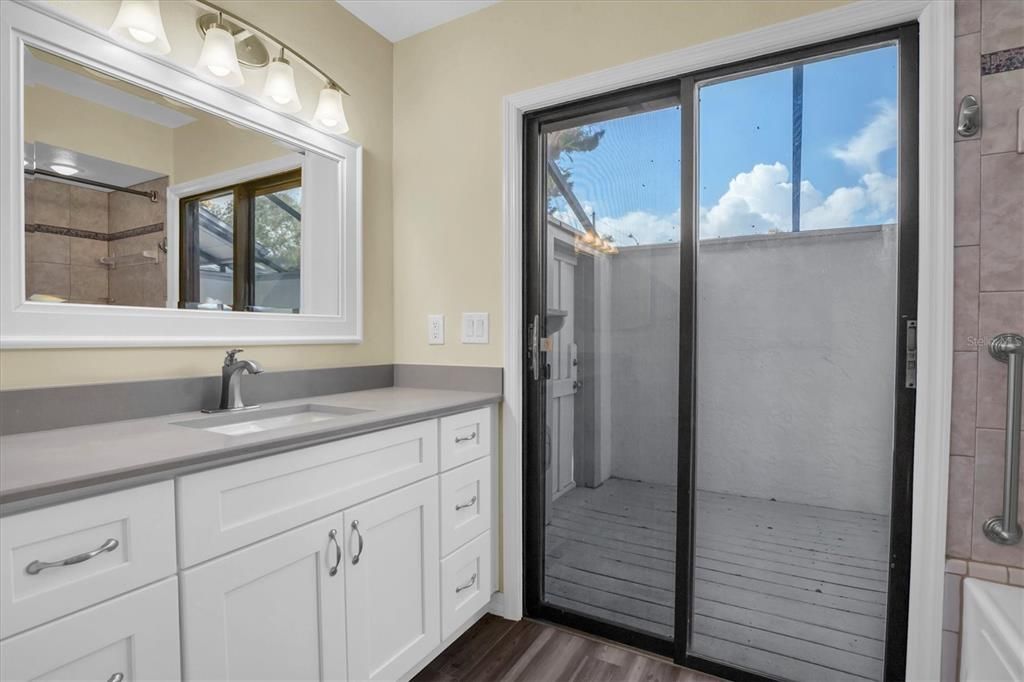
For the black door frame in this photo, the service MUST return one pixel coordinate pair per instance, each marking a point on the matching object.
(534, 286)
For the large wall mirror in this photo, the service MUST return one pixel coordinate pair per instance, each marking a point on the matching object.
(148, 213)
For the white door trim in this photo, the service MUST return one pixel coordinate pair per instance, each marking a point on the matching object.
(935, 278)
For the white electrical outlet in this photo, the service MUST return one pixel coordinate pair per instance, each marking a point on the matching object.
(435, 330)
(475, 328)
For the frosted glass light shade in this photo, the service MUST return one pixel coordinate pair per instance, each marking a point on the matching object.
(279, 89)
(218, 60)
(330, 112)
(139, 24)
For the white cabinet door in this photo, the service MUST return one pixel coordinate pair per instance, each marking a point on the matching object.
(391, 582)
(271, 611)
(133, 637)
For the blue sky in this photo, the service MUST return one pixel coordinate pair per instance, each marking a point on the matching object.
(849, 155)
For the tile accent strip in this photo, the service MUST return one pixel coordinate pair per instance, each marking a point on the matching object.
(1002, 61)
(39, 409)
(90, 234)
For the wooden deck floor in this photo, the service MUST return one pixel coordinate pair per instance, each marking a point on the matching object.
(789, 590)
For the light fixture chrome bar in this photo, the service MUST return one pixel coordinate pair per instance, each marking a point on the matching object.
(1009, 348)
(151, 194)
(280, 43)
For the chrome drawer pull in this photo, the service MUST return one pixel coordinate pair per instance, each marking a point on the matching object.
(333, 537)
(472, 581)
(116, 677)
(466, 505)
(37, 566)
(359, 552)
(463, 439)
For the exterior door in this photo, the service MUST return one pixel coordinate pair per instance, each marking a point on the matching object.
(392, 581)
(271, 611)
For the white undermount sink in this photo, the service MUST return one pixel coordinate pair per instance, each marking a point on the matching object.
(248, 422)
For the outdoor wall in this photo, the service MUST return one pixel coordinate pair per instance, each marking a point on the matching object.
(795, 362)
(340, 44)
(988, 298)
(449, 84)
(643, 334)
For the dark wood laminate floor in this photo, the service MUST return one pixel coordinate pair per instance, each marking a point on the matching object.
(531, 651)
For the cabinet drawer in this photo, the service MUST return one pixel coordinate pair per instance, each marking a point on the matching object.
(465, 583)
(465, 503)
(226, 508)
(135, 635)
(465, 437)
(119, 541)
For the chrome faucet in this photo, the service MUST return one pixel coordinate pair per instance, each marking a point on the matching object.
(231, 382)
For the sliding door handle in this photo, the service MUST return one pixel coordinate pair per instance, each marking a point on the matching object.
(534, 348)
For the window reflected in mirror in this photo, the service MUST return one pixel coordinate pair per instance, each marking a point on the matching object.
(136, 199)
(241, 246)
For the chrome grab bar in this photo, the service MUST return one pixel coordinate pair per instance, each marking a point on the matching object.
(38, 566)
(1009, 348)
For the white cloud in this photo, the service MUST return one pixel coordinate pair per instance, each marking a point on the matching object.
(647, 228)
(760, 201)
(879, 135)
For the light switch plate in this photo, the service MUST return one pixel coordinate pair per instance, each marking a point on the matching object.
(475, 328)
(435, 330)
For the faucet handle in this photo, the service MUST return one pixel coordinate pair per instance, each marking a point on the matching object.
(229, 358)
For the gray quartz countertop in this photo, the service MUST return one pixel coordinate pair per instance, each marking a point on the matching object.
(48, 465)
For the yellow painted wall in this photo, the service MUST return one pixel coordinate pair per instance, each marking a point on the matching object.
(58, 119)
(362, 59)
(449, 83)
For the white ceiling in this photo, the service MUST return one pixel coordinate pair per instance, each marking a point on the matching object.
(399, 19)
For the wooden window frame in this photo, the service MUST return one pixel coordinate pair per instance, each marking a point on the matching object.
(243, 237)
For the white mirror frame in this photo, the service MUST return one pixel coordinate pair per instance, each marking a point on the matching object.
(26, 324)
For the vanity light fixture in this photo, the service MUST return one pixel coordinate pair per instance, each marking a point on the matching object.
(279, 89)
(218, 59)
(229, 42)
(64, 170)
(139, 23)
(330, 112)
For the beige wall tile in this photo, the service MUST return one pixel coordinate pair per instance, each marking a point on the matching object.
(89, 283)
(1016, 576)
(961, 507)
(1002, 94)
(966, 263)
(958, 566)
(965, 403)
(967, 169)
(87, 252)
(1002, 222)
(950, 656)
(88, 209)
(988, 501)
(41, 247)
(47, 278)
(966, 74)
(951, 603)
(51, 203)
(984, 571)
(127, 286)
(1002, 24)
(968, 16)
(999, 312)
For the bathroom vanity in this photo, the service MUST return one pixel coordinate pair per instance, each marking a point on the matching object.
(355, 545)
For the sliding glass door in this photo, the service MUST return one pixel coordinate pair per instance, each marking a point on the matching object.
(605, 277)
(720, 305)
